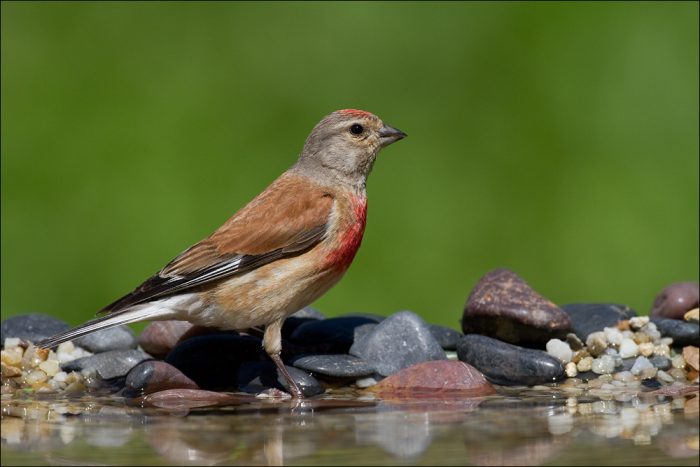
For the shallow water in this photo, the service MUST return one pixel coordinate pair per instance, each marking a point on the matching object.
(517, 426)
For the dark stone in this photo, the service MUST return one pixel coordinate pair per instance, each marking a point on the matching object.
(508, 364)
(675, 300)
(108, 365)
(682, 332)
(331, 335)
(258, 376)
(401, 340)
(335, 365)
(117, 338)
(302, 316)
(31, 327)
(446, 337)
(589, 375)
(212, 360)
(361, 314)
(504, 306)
(154, 375)
(587, 318)
(660, 362)
(628, 363)
(650, 384)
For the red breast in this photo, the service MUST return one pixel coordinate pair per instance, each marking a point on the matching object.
(350, 235)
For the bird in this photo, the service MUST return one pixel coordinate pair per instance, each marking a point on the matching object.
(279, 253)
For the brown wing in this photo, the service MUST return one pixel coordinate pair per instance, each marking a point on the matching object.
(286, 219)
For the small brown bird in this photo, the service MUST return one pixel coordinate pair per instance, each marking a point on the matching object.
(278, 254)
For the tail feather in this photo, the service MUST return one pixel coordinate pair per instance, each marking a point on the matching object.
(98, 324)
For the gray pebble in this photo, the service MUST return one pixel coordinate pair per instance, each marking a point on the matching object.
(117, 338)
(683, 332)
(660, 362)
(108, 365)
(336, 365)
(401, 340)
(446, 337)
(31, 327)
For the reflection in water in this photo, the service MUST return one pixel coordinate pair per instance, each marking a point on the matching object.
(497, 430)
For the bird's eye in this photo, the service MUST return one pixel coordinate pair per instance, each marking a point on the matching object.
(356, 129)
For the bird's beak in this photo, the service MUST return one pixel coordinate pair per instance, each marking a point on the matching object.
(388, 135)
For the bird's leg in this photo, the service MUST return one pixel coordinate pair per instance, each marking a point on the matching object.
(272, 342)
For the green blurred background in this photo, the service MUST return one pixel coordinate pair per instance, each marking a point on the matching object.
(559, 140)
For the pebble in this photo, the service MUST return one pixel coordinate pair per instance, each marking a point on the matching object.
(503, 306)
(675, 300)
(596, 343)
(212, 360)
(331, 335)
(446, 337)
(690, 354)
(693, 315)
(646, 349)
(401, 340)
(116, 338)
(108, 365)
(613, 336)
(628, 348)
(559, 350)
(436, 377)
(178, 399)
(153, 375)
(335, 365)
(603, 365)
(647, 373)
(31, 327)
(638, 322)
(587, 318)
(585, 364)
(298, 318)
(160, 337)
(360, 336)
(641, 363)
(258, 376)
(683, 332)
(574, 341)
(650, 384)
(508, 364)
(570, 370)
(662, 363)
(678, 361)
(624, 376)
(663, 376)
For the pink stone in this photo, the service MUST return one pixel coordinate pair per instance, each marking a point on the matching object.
(675, 300)
(435, 378)
(178, 399)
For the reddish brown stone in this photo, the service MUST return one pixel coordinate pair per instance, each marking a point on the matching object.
(504, 306)
(690, 354)
(191, 398)
(675, 300)
(434, 377)
(160, 337)
(154, 375)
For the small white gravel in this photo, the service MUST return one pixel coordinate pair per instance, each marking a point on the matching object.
(640, 364)
(604, 364)
(559, 350)
(628, 348)
(613, 336)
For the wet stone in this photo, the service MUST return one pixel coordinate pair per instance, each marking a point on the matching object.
(108, 365)
(651, 384)
(331, 335)
(446, 337)
(31, 327)
(401, 340)
(437, 376)
(587, 318)
(302, 316)
(508, 364)
(675, 300)
(335, 365)
(257, 376)
(117, 338)
(154, 375)
(662, 363)
(504, 306)
(212, 360)
(682, 332)
(160, 337)
(690, 354)
(178, 399)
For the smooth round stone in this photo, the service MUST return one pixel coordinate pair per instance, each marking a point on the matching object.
(504, 306)
(605, 364)
(446, 337)
(675, 300)
(212, 360)
(628, 348)
(640, 364)
(559, 350)
(31, 327)
(508, 364)
(160, 337)
(650, 384)
(690, 354)
(298, 318)
(436, 377)
(108, 365)
(662, 363)
(258, 376)
(335, 365)
(117, 338)
(331, 335)
(682, 332)
(155, 375)
(401, 340)
(180, 399)
(587, 318)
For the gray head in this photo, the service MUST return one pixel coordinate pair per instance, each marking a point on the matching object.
(343, 146)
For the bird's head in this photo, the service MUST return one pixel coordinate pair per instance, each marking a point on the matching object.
(345, 144)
